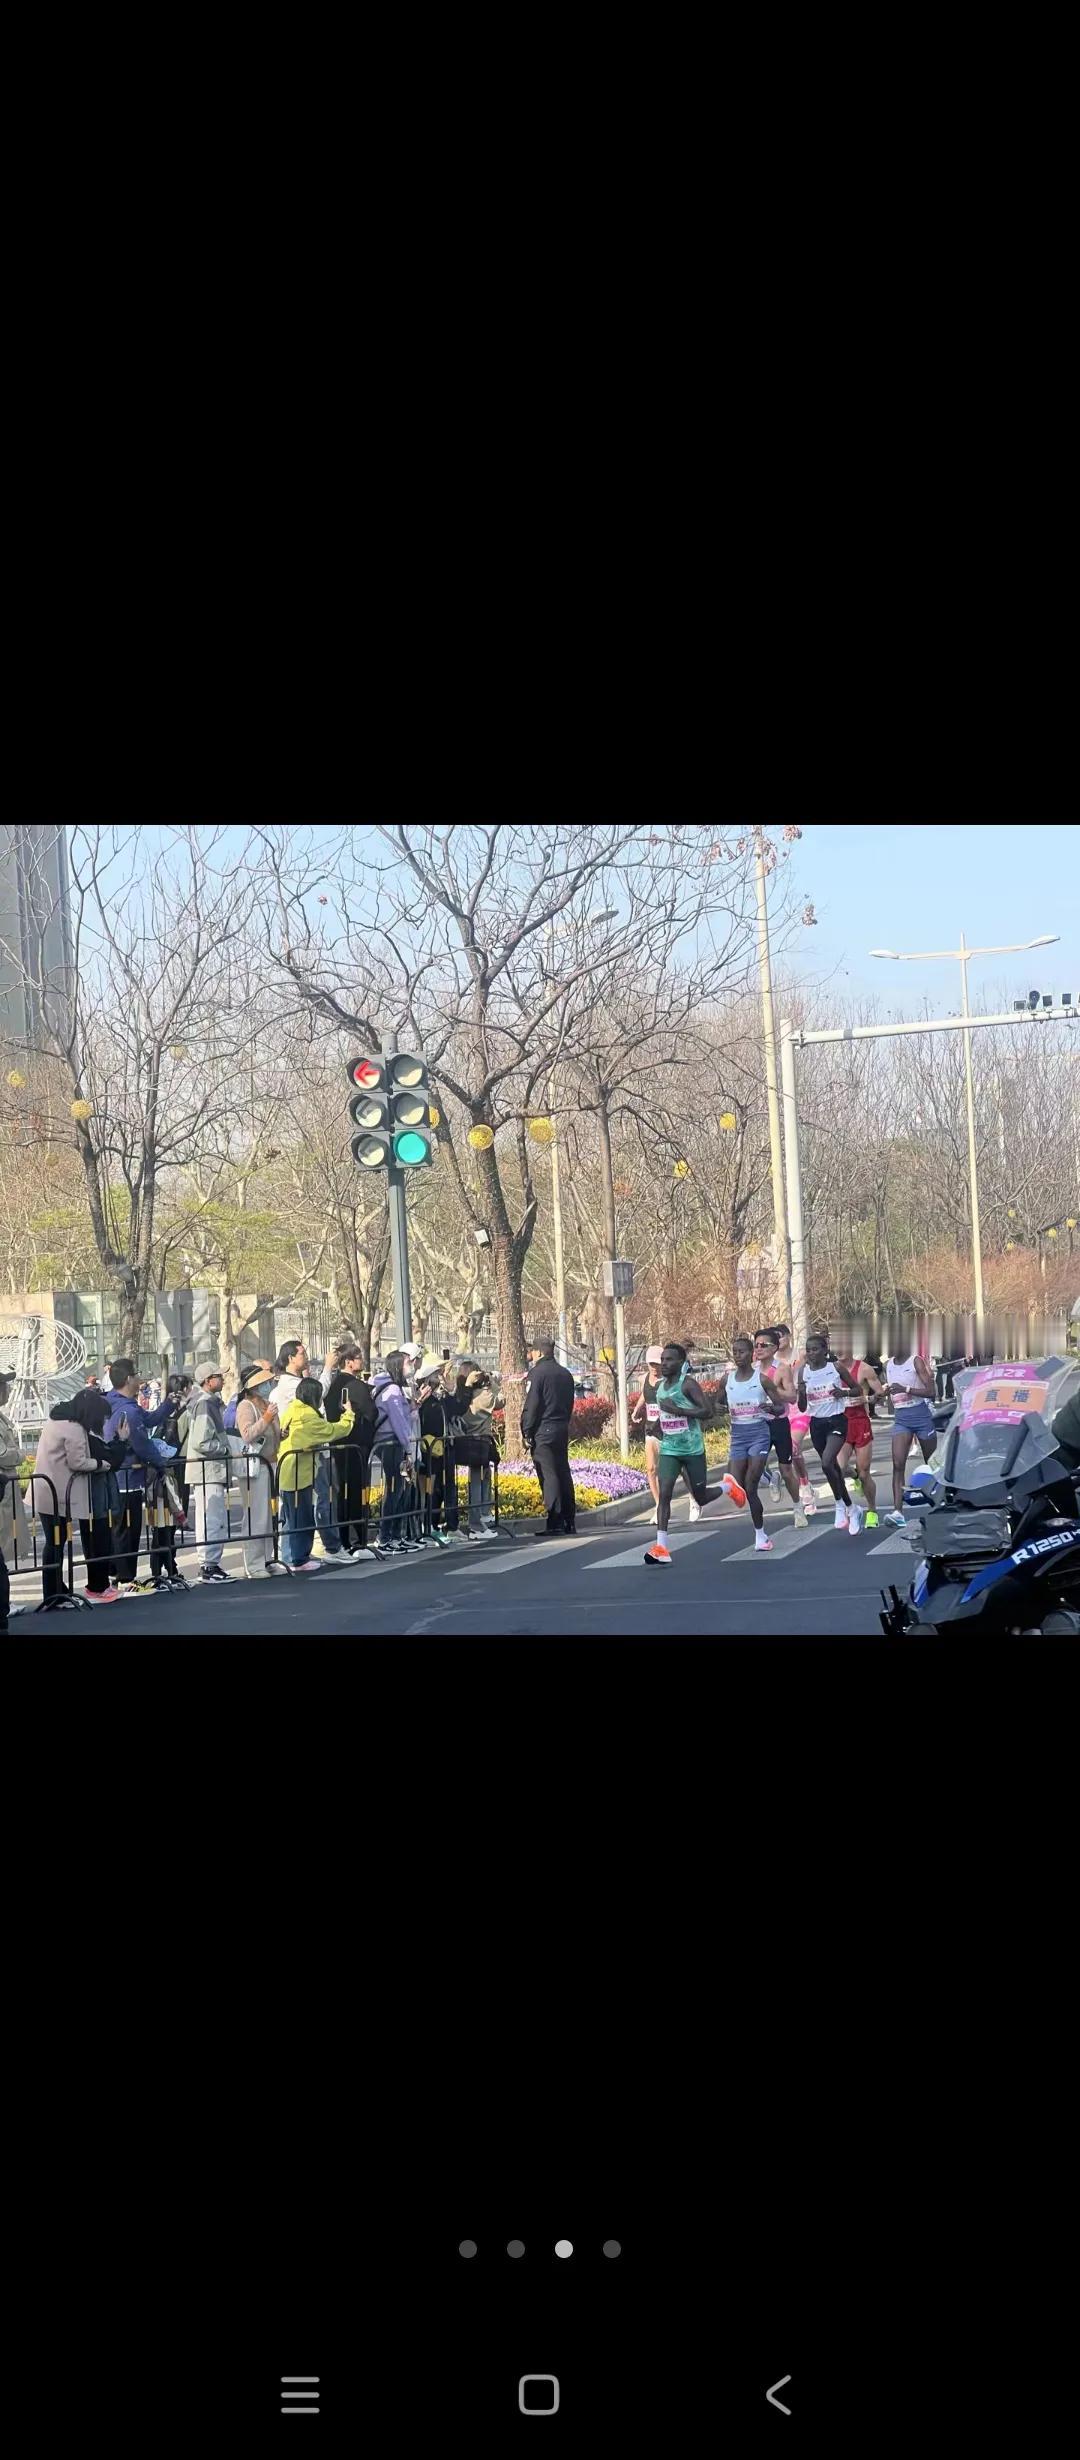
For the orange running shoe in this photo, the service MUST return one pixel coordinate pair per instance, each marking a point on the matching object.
(658, 1552)
(730, 1486)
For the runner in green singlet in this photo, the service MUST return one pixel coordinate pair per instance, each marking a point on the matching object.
(684, 1410)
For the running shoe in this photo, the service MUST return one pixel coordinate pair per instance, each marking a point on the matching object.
(101, 1597)
(695, 1511)
(127, 1588)
(840, 1520)
(801, 1521)
(658, 1551)
(871, 1520)
(896, 1520)
(854, 1520)
(309, 1566)
(176, 1580)
(366, 1554)
(384, 1554)
(807, 1499)
(762, 1545)
(730, 1486)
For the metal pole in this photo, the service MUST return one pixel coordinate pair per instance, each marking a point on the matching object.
(399, 1238)
(556, 1193)
(794, 1190)
(765, 971)
(620, 1360)
(556, 1212)
(399, 1251)
(976, 1233)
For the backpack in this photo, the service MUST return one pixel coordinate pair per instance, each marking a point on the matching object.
(230, 1416)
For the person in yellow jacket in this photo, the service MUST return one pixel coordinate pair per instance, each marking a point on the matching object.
(303, 1429)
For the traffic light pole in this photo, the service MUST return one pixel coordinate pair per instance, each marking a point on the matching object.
(399, 1238)
(399, 1253)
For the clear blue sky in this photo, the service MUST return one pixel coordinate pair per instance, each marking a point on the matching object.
(918, 885)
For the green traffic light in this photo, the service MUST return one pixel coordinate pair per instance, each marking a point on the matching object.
(410, 1148)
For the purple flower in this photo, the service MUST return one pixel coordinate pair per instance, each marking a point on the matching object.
(610, 1478)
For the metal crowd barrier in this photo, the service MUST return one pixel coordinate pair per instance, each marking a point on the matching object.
(52, 1522)
(424, 1493)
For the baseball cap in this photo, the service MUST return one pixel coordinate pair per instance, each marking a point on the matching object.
(209, 1367)
(411, 1349)
(654, 1355)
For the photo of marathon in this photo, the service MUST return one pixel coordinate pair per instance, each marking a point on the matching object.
(566, 1229)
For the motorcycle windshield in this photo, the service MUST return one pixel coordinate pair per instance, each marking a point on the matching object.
(1004, 1421)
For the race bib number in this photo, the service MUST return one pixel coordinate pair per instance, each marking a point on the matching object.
(652, 1413)
(672, 1426)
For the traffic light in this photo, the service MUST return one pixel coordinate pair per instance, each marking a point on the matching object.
(391, 1112)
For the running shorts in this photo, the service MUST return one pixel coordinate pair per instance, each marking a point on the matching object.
(822, 1428)
(918, 1420)
(694, 1466)
(798, 1420)
(859, 1429)
(750, 1438)
(781, 1439)
(652, 1451)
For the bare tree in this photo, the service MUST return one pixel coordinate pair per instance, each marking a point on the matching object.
(138, 1025)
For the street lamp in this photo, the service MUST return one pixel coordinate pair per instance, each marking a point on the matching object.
(963, 955)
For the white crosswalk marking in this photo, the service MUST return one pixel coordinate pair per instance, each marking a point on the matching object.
(529, 1555)
(895, 1544)
(786, 1542)
(678, 1539)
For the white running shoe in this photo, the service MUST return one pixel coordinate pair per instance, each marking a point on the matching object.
(896, 1520)
(762, 1545)
(801, 1521)
(807, 1499)
(854, 1520)
(695, 1511)
(841, 1520)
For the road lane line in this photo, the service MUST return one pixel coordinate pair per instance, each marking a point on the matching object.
(786, 1542)
(532, 1553)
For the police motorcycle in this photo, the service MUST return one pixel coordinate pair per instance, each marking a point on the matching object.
(999, 1544)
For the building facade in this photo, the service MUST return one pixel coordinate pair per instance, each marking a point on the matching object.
(35, 923)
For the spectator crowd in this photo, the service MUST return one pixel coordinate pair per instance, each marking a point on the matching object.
(122, 1458)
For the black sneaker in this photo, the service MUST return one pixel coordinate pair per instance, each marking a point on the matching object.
(385, 1554)
(176, 1580)
(213, 1571)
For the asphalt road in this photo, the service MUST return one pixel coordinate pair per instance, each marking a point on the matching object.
(818, 1583)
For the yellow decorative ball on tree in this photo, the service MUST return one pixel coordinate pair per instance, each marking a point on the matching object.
(681, 1170)
(82, 1110)
(542, 1131)
(728, 1120)
(15, 1079)
(481, 1138)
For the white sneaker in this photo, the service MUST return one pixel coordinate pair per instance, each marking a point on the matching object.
(896, 1520)
(362, 1554)
(459, 1537)
(841, 1520)
(854, 1520)
(801, 1521)
(762, 1545)
(807, 1499)
(695, 1511)
(309, 1566)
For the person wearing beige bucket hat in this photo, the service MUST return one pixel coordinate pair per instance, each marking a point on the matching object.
(258, 1425)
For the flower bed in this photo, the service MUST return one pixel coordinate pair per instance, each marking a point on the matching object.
(595, 1481)
(519, 1494)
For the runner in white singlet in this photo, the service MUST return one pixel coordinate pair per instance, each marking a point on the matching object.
(824, 1390)
(911, 1383)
